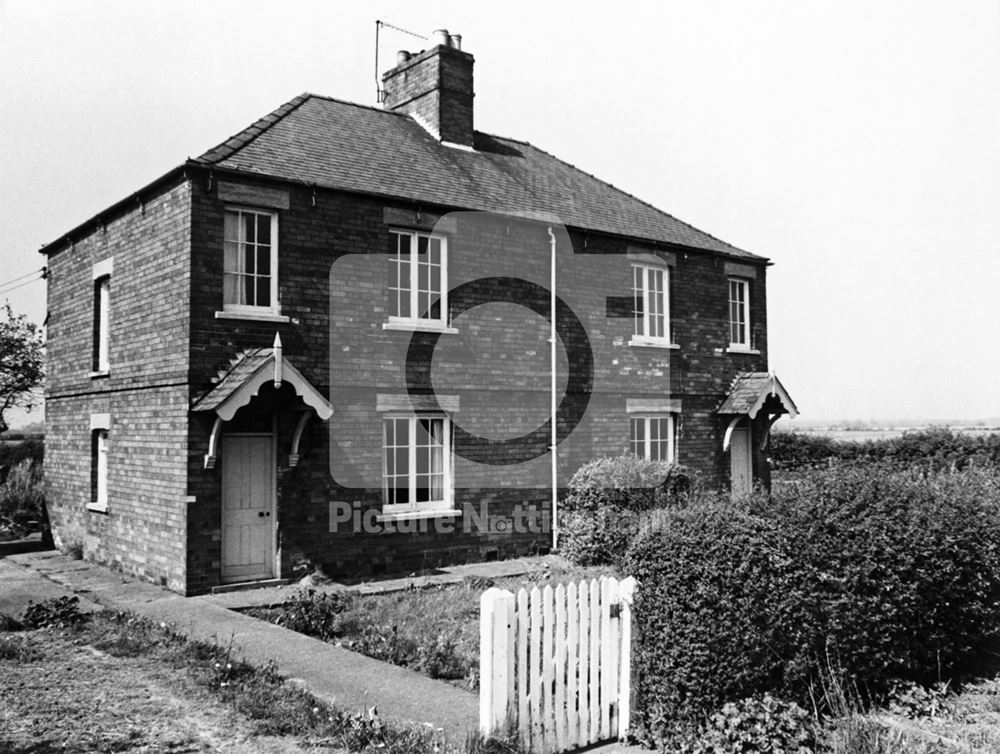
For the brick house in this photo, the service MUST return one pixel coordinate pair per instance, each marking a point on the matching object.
(325, 343)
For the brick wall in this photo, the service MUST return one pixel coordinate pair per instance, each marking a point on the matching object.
(436, 87)
(145, 392)
(332, 286)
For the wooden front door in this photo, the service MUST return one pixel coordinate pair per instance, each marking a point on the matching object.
(740, 460)
(247, 507)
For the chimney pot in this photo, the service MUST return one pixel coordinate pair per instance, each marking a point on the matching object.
(456, 41)
(441, 37)
(402, 57)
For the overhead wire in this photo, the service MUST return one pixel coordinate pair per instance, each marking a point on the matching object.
(13, 285)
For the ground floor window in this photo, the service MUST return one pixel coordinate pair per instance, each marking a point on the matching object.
(99, 469)
(653, 437)
(417, 468)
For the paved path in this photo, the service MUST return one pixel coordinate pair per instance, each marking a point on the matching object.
(335, 675)
(275, 595)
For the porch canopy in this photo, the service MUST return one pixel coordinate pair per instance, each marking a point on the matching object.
(242, 382)
(752, 393)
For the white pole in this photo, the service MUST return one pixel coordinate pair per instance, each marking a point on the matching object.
(552, 388)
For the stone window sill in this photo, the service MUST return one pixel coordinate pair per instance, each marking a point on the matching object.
(418, 515)
(646, 343)
(99, 373)
(253, 316)
(98, 508)
(743, 349)
(420, 327)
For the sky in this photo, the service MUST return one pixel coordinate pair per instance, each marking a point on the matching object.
(855, 144)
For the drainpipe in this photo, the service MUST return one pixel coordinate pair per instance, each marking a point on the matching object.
(552, 388)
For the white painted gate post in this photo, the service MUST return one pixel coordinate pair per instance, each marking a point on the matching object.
(496, 658)
(626, 592)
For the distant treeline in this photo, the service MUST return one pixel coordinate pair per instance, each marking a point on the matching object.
(937, 448)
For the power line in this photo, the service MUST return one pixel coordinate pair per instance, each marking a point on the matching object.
(20, 277)
(21, 285)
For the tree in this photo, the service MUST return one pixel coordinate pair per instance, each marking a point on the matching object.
(20, 363)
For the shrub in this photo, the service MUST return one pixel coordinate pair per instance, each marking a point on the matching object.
(439, 657)
(58, 612)
(21, 499)
(315, 614)
(14, 451)
(758, 724)
(608, 498)
(876, 576)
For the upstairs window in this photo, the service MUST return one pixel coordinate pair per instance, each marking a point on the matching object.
(417, 474)
(250, 261)
(651, 311)
(739, 313)
(418, 278)
(652, 437)
(102, 322)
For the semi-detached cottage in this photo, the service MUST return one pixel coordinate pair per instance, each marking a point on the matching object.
(324, 343)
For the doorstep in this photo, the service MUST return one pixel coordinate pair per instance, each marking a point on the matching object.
(242, 586)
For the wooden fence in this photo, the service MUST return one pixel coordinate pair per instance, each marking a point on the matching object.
(557, 662)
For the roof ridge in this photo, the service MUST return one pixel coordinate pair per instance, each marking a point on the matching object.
(237, 141)
(641, 201)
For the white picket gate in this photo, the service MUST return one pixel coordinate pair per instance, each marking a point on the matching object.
(557, 662)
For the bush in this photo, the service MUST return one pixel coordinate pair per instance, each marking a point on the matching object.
(607, 499)
(758, 724)
(319, 615)
(876, 576)
(21, 500)
(13, 451)
(58, 612)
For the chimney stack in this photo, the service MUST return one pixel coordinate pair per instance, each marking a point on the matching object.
(434, 87)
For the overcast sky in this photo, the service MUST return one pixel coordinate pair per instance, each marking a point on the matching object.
(856, 144)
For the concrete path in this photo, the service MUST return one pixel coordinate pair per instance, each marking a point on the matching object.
(335, 675)
(275, 595)
(19, 587)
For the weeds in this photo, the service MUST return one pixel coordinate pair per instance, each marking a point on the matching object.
(58, 612)
(16, 647)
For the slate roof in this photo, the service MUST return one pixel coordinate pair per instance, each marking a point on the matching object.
(341, 145)
(750, 389)
(241, 369)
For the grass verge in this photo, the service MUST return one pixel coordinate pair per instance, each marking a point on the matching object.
(108, 647)
(433, 630)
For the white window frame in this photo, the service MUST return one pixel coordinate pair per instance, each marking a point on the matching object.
(102, 324)
(418, 322)
(448, 501)
(742, 309)
(646, 449)
(251, 309)
(641, 328)
(99, 439)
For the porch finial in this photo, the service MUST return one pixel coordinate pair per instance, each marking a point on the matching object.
(276, 351)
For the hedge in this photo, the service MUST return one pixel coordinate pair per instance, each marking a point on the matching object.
(934, 449)
(871, 576)
(608, 499)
